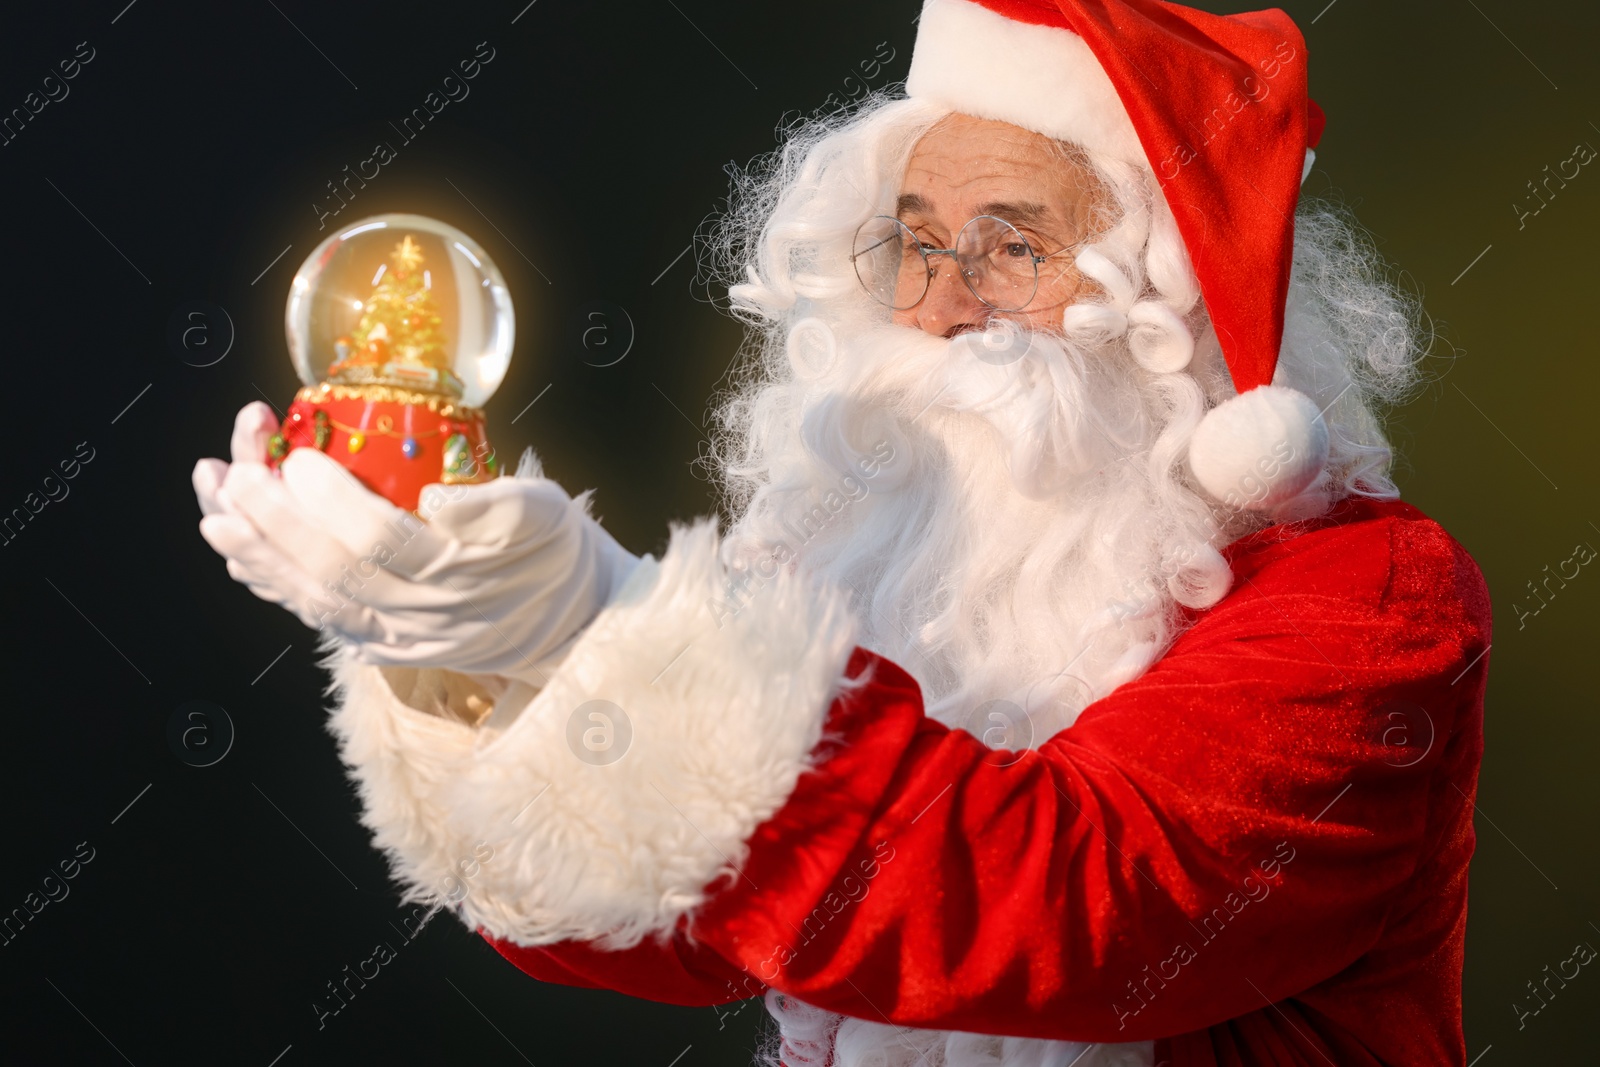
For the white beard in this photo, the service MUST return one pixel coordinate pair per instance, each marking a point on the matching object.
(1003, 505)
(1006, 508)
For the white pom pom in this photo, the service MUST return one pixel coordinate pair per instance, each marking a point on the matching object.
(1158, 338)
(1260, 448)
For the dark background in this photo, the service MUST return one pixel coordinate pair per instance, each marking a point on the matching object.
(187, 157)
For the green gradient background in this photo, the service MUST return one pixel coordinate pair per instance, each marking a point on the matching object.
(595, 143)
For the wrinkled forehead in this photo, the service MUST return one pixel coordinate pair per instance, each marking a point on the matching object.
(965, 166)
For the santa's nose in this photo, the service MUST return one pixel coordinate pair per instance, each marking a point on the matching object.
(948, 308)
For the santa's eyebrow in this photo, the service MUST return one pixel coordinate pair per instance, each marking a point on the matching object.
(1027, 212)
(913, 204)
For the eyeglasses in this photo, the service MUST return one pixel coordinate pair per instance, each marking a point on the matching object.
(995, 260)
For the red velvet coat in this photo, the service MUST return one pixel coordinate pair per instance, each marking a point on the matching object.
(1256, 853)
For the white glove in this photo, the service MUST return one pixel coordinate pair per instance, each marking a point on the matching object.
(498, 580)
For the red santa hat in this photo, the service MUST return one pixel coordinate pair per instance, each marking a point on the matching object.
(1216, 106)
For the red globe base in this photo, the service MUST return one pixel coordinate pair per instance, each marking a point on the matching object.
(395, 441)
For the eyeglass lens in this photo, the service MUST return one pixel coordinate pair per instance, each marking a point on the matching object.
(995, 261)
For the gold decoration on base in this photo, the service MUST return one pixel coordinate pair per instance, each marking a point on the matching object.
(443, 406)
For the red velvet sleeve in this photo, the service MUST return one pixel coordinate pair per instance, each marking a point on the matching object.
(1237, 825)
(1230, 829)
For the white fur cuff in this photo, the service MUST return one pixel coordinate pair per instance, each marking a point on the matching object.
(630, 784)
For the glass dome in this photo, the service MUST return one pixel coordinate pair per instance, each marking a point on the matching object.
(402, 301)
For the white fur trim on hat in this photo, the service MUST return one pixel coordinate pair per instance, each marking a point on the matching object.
(1261, 448)
(978, 62)
(567, 826)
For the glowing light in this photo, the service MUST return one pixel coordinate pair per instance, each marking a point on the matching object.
(462, 249)
(427, 279)
(381, 268)
(346, 235)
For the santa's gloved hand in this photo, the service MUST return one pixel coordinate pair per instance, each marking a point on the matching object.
(500, 577)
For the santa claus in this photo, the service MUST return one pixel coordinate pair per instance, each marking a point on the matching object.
(1069, 686)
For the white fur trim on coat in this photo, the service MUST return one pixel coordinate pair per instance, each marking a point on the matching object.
(978, 62)
(539, 837)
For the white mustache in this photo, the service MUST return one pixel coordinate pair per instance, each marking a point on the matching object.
(1057, 412)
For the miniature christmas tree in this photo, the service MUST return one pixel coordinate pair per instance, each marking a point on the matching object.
(399, 340)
